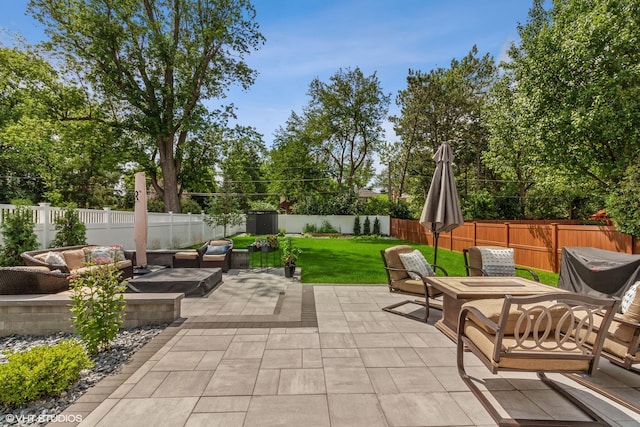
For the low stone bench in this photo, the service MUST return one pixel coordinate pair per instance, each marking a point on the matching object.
(45, 314)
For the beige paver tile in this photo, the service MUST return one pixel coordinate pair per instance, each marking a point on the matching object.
(380, 340)
(226, 331)
(437, 339)
(382, 381)
(292, 341)
(333, 326)
(243, 338)
(223, 404)
(219, 419)
(337, 340)
(210, 360)
(355, 410)
(449, 378)
(288, 410)
(276, 359)
(343, 362)
(409, 357)
(473, 408)
(347, 380)
(245, 350)
(204, 342)
(267, 382)
(437, 356)
(516, 405)
(150, 411)
(179, 361)
(413, 380)
(183, 384)
(147, 384)
(312, 358)
(340, 352)
(381, 357)
(301, 381)
(233, 377)
(422, 409)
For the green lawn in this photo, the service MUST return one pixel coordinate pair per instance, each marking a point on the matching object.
(357, 260)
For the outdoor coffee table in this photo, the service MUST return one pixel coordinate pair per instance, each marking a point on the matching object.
(458, 290)
(189, 281)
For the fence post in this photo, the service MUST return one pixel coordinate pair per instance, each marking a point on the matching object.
(189, 229)
(506, 235)
(475, 233)
(554, 248)
(170, 229)
(43, 219)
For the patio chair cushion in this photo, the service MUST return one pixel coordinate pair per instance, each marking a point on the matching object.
(393, 260)
(75, 258)
(486, 344)
(492, 309)
(213, 257)
(186, 255)
(415, 261)
(415, 287)
(625, 332)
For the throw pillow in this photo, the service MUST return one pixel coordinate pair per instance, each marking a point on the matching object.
(100, 255)
(217, 249)
(628, 297)
(117, 253)
(498, 261)
(54, 258)
(415, 261)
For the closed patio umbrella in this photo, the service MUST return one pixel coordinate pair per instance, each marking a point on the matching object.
(441, 210)
(140, 222)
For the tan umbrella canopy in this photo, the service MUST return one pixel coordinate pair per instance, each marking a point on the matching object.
(140, 220)
(441, 210)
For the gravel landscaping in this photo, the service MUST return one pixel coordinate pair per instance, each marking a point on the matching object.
(42, 412)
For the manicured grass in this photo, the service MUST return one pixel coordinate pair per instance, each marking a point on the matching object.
(358, 261)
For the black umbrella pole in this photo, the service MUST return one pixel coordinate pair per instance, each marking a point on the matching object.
(435, 247)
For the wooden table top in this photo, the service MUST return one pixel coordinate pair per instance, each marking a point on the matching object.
(482, 287)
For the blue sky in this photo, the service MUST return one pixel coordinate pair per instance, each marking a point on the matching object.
(307, 39)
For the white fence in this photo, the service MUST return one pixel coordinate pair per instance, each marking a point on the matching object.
(169, 230)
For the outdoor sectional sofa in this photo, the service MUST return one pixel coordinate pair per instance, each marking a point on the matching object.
(75, 259)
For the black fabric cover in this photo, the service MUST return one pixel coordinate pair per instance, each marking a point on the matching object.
(190, 281)
(596, 272)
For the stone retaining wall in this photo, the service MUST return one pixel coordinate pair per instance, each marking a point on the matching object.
(45, 314)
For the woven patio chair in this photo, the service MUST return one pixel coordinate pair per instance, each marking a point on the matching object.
(400, 281)
(541, 334)
(32, 280)
(492, 261)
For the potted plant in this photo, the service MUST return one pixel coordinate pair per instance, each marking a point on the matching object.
(290, 255)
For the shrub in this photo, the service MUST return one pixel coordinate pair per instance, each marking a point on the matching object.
(190, 206)
(98, 306)
(310, 228)
(624, 204)
(18, 236)
(41, 371)
(155, 205)
(366, 228)
(400, 210)
(326, 227)
(376, 226)
(356, 226)
(70, 231)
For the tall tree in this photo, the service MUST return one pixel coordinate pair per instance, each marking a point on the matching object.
(295, 167)
(578, 65)
(156, 61)
(346, 116)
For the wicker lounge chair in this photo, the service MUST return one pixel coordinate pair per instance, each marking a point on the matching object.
(492, 261)
(31, 280)
(400, 282)
(218, 259)
(534, 334)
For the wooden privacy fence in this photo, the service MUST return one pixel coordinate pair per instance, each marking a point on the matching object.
(537, 244)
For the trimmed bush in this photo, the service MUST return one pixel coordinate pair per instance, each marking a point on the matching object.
(41, 371)
(366, 229)
(70, 231)
(356, 226)
(18, 235)
(376, 227)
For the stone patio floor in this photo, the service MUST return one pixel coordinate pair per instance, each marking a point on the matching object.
(262, 350)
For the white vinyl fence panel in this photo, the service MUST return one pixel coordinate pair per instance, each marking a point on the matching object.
(169, 230)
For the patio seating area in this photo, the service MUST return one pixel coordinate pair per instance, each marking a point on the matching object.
(262, 350)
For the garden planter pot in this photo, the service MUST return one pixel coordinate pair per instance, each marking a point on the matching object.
(289, 270)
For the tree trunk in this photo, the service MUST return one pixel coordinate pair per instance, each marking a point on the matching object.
(169, 175)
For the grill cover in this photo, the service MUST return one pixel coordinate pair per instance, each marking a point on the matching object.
(596, 272)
